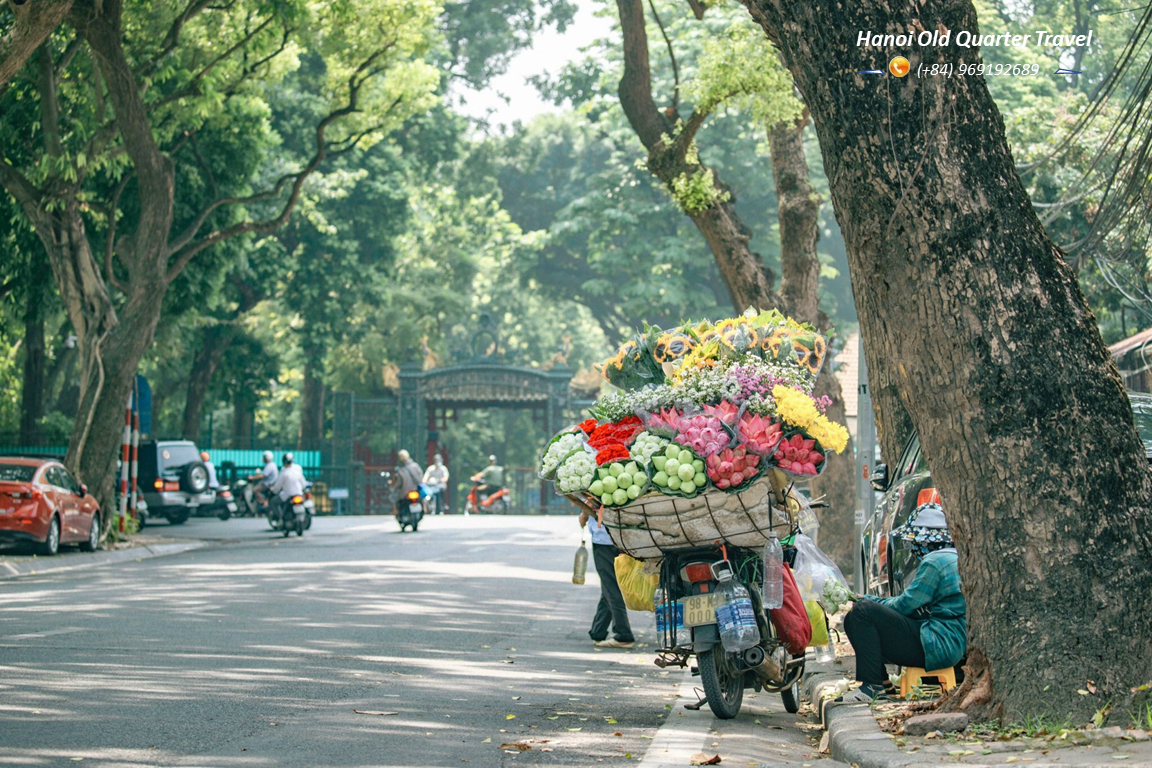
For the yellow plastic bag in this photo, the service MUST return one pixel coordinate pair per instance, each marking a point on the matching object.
(819, 623)
(638, 588)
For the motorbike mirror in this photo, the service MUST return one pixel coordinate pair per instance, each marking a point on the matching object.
(83, 490)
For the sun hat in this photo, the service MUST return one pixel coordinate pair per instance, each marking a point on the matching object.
(926, 527)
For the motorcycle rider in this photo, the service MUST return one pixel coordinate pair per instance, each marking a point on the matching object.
(213, 483)
(488, 481)
(264, 479)
(408, 472)
(436, 478)
(289, 481)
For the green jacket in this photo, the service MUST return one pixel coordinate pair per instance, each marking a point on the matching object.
(936, 587)
(493, 475)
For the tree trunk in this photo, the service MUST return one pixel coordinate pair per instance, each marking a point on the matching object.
(799, 215)
(311, 410)
(214, 342)
(34, 23)
(969, 311)
(32, 393)
(241, 421)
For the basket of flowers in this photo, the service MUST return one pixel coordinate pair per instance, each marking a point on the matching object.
(708, 426)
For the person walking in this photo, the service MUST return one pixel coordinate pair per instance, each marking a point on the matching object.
(611, 610)
(925, 626)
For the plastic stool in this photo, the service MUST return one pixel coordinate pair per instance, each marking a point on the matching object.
(912, 675)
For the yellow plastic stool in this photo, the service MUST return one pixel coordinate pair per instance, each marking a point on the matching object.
(911, 678)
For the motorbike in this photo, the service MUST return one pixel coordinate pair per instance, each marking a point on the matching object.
(411, 510)
(295, 514)
(224, 505)
(248, 504)
(488, 500)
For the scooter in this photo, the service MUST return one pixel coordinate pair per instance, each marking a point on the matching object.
(411, 510)
(224, 506)
(295, 514)
(487, 500)
(247, 502)
(687, 626)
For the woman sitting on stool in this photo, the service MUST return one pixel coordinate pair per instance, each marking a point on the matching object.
(923, 627)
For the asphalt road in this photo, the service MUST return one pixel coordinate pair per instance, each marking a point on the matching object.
(259, 651)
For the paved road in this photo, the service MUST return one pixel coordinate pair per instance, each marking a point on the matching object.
(257, 652)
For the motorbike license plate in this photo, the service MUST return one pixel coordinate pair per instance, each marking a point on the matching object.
(416, 508)
(700, 610)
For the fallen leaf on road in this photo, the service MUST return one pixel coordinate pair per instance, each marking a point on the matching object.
(519, 745)
(1121, 757)
(515, 698)
(1082, 692)
(824, 741)
(554, 718)
(1091, 686)
(371, 712)
(611, 721)
(509, 717)
(507, 661)
(702, 759)
(617, 733)
(573, 730)
(487, 740)
(546, 749)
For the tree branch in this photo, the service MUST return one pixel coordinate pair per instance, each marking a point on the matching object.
(70, 51)
(110, 238)
(172, 39)
(192, 87)
(49, 109)
(636, 83)
(34, 23)
(672, 56)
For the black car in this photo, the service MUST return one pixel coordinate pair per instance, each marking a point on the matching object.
(173, 480)
(889, 565)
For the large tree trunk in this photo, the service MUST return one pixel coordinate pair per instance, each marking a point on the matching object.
(311, 409)
(799, 214)
(970, 311)
(214, 342)
(32, 393)
(34, 23)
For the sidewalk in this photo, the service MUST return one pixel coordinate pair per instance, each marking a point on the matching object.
(141, 547)
(856, 736)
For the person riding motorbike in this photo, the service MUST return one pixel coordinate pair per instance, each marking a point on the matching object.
(264, 479)
(213, 482)
(488, 481)
(436, 478)
(289, 481)
(408, 473)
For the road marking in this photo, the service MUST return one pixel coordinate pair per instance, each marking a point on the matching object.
(680, 737)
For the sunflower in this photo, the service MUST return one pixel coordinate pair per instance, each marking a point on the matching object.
(775, 341)
(617, 360)
(737, 334)
(672, 346)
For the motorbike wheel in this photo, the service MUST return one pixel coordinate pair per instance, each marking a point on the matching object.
(503, 505)
(415, 527)
(791, 698)
(723, 684)
(300, 528)
(307, 521)
(225, 515)
(287, 531)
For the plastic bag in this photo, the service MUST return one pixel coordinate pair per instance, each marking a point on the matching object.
(638, 588)
(813, 569)
(791, 620)
(819, 623)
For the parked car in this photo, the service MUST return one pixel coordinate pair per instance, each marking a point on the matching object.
(889, 565)
(42, 505)
(173, 480)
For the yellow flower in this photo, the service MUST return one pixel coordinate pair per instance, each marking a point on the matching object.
(703, 356)
(794, 407)
(828, 433)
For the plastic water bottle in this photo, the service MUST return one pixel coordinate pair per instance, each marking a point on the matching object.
(773, 573)
(737, 620)
(580, 565)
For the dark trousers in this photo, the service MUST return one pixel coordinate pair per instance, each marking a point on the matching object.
(882, 635)
(611, 609)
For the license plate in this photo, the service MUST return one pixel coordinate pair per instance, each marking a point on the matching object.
(415, 508)
(700, 610)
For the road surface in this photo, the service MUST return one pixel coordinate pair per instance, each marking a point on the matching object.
(264, 651)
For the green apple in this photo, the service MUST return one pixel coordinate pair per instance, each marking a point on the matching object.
(610, 485)
(658, 462)
(661, 479)
(616, 469)
(634, 492)
(698, 465)
(687, 487)
(597, 488)
(699, 479)
(674, 482)
(672, 466)
(685, 456)
(624, 480)
(686, 472)
(606, 498)
(620, 496)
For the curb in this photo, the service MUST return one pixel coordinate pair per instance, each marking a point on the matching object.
(44, 567)
(854, 736)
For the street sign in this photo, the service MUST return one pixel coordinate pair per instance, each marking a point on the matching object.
(337, 493)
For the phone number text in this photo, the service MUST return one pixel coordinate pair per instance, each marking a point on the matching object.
(988, 70)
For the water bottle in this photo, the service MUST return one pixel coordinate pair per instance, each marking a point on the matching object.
(737, 620)
(773, 573)
(580, 565)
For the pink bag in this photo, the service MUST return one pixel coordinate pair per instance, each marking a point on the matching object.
(791, 619)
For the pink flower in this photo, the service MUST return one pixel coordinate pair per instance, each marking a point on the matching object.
(724, 411)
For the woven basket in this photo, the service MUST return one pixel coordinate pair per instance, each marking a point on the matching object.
(654, 523)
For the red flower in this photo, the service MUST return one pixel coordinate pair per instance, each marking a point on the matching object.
(630, 421)
(588, 426)
(611, 453)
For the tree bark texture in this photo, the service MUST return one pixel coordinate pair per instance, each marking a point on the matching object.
(214, 342)
(311, 409)
(798, 205)
(34, 22)
(32, 392)
(970, 313)
(750, 283)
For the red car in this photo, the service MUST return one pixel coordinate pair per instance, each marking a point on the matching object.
(42, 504)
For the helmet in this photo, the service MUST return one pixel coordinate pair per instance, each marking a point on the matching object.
(203, 455)
(288, 458)
(267, 456)
(492, 459)
(403, 456)
(438, 458)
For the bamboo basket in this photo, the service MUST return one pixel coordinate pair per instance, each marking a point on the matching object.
(654, 523)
